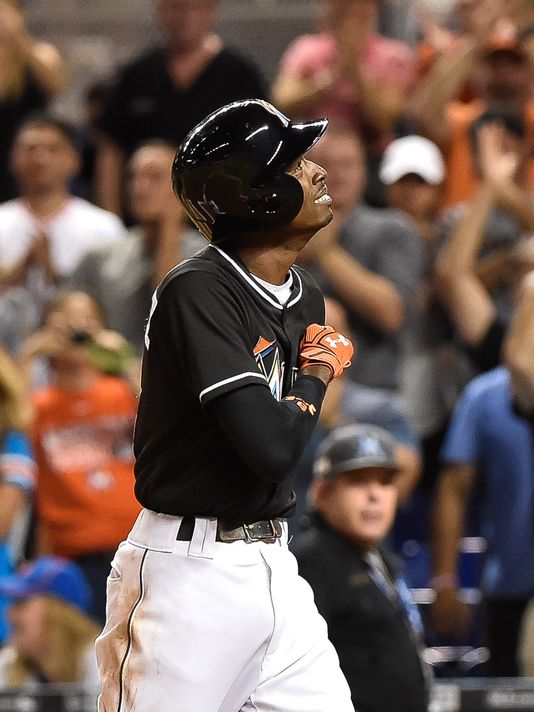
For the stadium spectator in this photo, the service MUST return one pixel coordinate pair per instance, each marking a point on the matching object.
(490, 443)
(45, 233)
(51, 635)
(82, 437)
(413, 172)
(357, 584)
(465, 285)
(347, 72)
(167, 90)
(438, 39)
(31, 73)
(368, 259)
(350, 73)
(123, 276)
(17, 468)
(503, 71)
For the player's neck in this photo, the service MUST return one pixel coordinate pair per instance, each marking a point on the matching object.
(269, 263)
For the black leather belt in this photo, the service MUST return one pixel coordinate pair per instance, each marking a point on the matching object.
(267, 530)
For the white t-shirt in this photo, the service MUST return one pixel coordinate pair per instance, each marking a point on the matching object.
(79, 226)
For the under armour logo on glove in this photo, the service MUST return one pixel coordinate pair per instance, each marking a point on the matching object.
(340, 340)
(324, 346)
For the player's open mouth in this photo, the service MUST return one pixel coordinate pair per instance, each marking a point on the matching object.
(323, 199)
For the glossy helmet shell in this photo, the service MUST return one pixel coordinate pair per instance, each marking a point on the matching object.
(229, 172)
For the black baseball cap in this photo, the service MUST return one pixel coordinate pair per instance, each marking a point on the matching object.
(355, 447)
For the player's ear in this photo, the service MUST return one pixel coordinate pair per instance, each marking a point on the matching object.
(277, 202)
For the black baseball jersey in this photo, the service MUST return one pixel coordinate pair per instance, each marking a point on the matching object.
(214, 328)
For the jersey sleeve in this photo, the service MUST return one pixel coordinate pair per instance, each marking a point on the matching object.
(198, 322)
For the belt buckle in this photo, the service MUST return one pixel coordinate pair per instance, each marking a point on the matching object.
(253, 532)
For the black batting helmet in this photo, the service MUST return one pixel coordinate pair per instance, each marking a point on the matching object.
(229, 170)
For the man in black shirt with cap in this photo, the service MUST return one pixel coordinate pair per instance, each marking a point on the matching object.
(205, 606)
(372, 620)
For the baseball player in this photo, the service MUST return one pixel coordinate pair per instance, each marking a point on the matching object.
(206, 611)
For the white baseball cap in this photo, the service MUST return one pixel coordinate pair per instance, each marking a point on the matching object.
(412, 154)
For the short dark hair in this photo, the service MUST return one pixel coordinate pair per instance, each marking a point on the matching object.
(512, 122)
(46, 120)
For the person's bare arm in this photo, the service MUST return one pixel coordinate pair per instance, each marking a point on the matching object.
(294, 95)
(516, 201)
(369, 295)
(451, 616)
(109, 171)
(457, 282)
(426, 108)
(518, 349)
(380, 105)
(11, 503)
(462, 292)
(42, 58)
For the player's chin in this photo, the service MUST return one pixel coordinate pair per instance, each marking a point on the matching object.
(325, 217)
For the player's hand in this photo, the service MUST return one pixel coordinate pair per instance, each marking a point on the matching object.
(324, 346)
(451, 616)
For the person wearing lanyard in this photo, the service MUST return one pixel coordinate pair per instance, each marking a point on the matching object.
(372, 620)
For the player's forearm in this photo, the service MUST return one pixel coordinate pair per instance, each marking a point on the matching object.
(270, 436)
(369, 295)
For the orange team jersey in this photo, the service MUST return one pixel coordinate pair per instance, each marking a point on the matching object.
(462, 182)
(83, 449)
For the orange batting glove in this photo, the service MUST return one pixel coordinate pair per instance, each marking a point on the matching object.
(323, 346)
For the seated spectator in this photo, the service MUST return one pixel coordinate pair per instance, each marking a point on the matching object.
(413, 172)
(17, 468)
(123, 276)
(82, 437)
(31, 73)
(347, 72)
(45, 233)
(467, 288)
(358, 587)
(368, 259)
(168, 89)
(488, 459)
(503, 71)
(51, 636)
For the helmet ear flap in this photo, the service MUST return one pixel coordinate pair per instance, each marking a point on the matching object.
(276, 202)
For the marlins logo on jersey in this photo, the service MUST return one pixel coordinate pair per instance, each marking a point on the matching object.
(267, 356)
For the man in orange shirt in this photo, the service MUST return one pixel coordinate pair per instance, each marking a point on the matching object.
(503, 74)
(82, 437)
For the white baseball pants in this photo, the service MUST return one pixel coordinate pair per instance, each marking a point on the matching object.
(206, 626)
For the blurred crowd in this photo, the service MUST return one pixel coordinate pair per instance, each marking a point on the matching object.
(428, 265)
